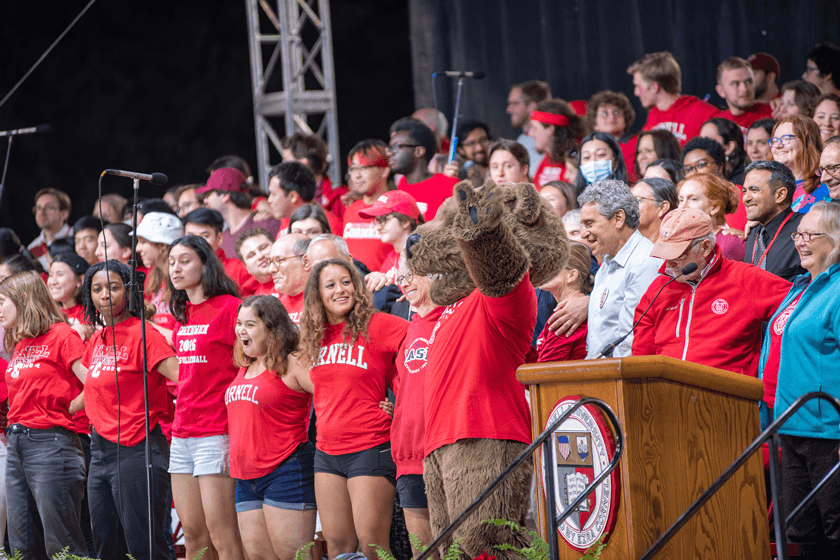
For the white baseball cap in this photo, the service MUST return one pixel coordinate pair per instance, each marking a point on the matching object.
(160, 227)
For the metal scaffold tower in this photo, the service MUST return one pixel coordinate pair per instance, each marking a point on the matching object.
(298, 42)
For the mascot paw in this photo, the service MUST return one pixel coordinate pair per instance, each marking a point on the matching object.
(480, 207)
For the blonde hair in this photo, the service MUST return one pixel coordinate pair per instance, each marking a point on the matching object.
(660, 68)
(36, 310)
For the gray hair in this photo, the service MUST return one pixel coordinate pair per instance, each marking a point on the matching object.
(612, 196)
(339, 243)
(780, 176)
(830, 224)
(572, 218)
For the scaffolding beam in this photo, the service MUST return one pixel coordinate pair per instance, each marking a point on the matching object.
(292, 77)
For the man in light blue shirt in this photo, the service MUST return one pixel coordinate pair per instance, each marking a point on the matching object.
(609, 215)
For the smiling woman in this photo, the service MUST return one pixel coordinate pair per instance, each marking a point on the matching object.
(351, 352)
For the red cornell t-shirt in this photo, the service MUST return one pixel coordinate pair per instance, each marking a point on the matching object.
(756, 112)
(104, 409)
(204, 346)
(408, 428)
(293, 305)
(267, 422)
(471, 386)
(430, 193)
(76, 316)
(350, 381)
(362, 238)
(684, 118)
(549, 170)
(40, 381)
(553, 348)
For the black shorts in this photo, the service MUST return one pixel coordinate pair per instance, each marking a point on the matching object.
(375, 461)
(411, 492)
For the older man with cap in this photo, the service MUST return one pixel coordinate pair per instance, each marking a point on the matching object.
(609, 215)
(227, 192)
(713, 315)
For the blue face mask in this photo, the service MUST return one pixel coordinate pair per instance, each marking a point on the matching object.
(594, 171)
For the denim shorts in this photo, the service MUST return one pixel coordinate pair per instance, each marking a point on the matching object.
(290, 486)
(200, 455)
(411, 492)
(375, 461)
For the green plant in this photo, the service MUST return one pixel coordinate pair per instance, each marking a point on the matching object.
(303, 553)
(454, 552)
(537, 550)
(594, 551)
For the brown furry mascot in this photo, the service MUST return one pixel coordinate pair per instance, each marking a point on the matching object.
(485, 251)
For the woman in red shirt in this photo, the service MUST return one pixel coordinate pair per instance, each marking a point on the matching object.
(115, 405)
(67, 273)
(351, 351)
(45, 469)
(204, 302)
(270, 454)
(556, 130)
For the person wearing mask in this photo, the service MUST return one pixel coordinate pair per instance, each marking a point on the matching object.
(768, 193)
(656, 198)
(555, 128)
(800, 355)
(796, 142)
(599, 158)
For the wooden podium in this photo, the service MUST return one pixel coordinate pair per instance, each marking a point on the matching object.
(683, 425)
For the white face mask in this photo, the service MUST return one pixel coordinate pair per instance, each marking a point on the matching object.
(594, 171)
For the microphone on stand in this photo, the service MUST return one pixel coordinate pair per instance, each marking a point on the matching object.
(607, 351)
(29, 130)
(477, 75)
(154, 178)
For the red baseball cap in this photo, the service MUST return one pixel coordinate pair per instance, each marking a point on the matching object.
(225, 179)
(765, 61)
(393, 201)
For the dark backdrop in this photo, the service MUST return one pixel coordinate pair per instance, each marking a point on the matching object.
(582, 46)
(164, 85)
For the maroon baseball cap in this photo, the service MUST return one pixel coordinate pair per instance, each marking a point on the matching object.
(765, 61)
(225, 179)
(393, 201)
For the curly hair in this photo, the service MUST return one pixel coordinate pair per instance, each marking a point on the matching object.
(314, 316)
(282, 334)
(611, 196)
(615, 99)
(722, 195)
(564, 139)
(36, 310)
(808, 159)
(214, 279)
(92, 316)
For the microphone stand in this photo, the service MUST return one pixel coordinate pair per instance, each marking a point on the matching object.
(136, 287)
(454, 144)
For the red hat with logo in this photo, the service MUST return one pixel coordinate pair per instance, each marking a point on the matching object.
(225, 179)
(393, 201)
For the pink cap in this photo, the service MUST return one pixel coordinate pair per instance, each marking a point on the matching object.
(393, 201)
(225, 179)
(679, 228)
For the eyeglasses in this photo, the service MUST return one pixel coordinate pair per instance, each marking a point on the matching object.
(482, 141)
(830, 169)
(277, 261)
(381, 220)
(780, 140)
(405, 279)
(45, 208)
(641, 198)
(606, 113)
(806, 236)
(699, 166)
(397, 147)
(359, 168)
(309, 232)
(684, 256)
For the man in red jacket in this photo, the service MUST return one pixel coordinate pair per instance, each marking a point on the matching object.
(706, 317)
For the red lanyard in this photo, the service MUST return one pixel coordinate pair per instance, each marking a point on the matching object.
(764, 254)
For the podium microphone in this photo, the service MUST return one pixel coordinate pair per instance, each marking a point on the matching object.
(154, 178)
(477, 75)
(608, 349)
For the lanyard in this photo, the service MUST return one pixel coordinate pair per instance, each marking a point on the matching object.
(778, 231)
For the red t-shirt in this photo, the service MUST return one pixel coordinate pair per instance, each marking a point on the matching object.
(408, 428)
(293, 305)
(770, 377)
(76, 316)
(553, 348)
(471, 386)
(267, 423)
(351, 381)
(204, 346)
(266, 288)
(738, 219)
(329, 198)
(40, 381)
(238, 273)
(684, 118)
(163, 315)
(123, 420)
(628, 151)
(391, 266)
(430, 193)
(362, 238)
(4, 407)
(549, 170)
(756, 112)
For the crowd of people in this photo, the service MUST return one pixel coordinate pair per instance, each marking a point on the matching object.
(287, 336)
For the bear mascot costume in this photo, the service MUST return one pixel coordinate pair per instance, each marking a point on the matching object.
(485, 251)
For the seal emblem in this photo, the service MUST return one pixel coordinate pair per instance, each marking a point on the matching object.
(720, 306)
(582, 447)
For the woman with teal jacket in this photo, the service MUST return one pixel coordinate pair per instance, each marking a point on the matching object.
(801, 354)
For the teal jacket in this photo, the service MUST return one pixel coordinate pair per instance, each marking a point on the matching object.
(810, 355)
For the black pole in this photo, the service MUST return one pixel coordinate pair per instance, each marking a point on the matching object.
(136, 287)
(551, 513)
(454, 144)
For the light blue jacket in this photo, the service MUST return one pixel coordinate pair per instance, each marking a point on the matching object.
(810, 355)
